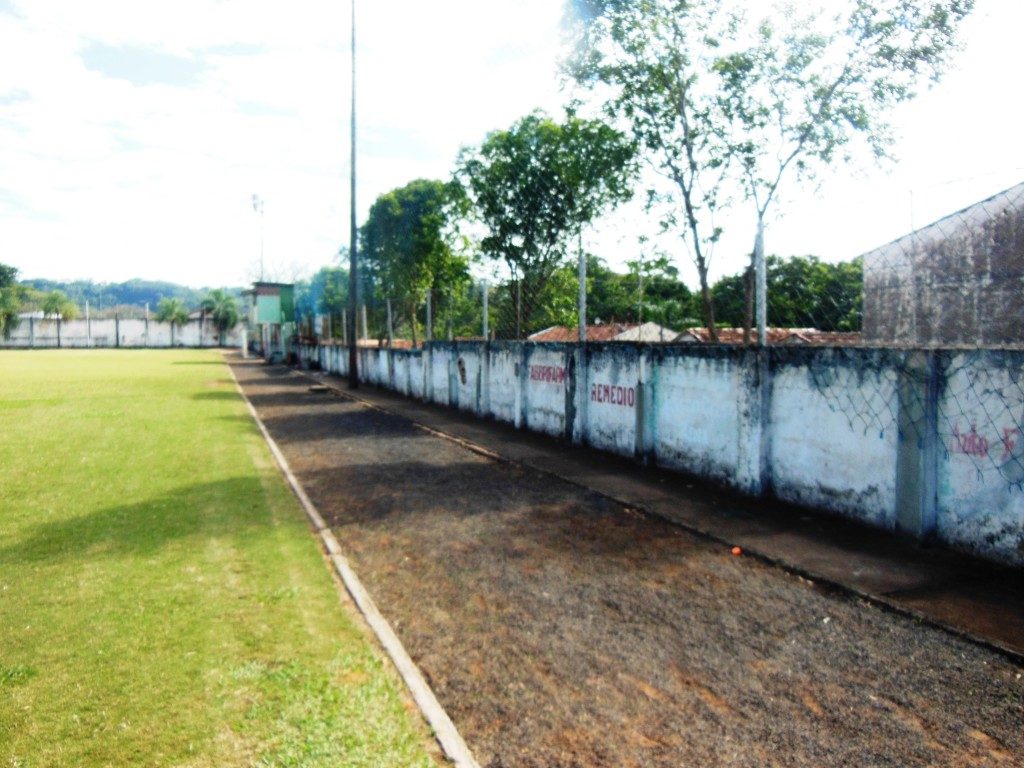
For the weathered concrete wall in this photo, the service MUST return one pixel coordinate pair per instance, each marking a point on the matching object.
(980, 477)
(848, 431)
(833, 440)
(545, 382)
(697, 417)
(955, 282)
(116, 333)
(612, 378)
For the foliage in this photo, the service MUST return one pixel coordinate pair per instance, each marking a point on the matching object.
(171, 310)
(8, 275)
(406, 246)
(10, 300)
(137, 293)
(223, 310)
(652, 60)
(534, 187)
(801, 95)
(724, 105)
(803, 292)
(57, 304)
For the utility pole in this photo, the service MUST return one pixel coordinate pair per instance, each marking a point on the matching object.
(257, 206)
(353, 282)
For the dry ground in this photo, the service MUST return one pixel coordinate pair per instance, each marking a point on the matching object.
(561, 629)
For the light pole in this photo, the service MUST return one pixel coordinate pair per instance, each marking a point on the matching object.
(353, 282)
(257, 206)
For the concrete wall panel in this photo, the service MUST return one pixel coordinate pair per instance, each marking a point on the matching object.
(613, 373)
(833, 435)
(981, 455)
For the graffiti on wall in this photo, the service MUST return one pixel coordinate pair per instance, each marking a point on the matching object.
(550, 374)
(972, 443)
(613, 394)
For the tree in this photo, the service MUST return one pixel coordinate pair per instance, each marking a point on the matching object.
(173, 311)
(799, 97)
(537, 185)
(407, 247)
(726, 105)
(652, 58)
(803, 292)
(57, 304)
(11, 295)
(223, 310)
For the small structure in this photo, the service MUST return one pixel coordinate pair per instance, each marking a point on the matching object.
(270, 317)
(955, 282)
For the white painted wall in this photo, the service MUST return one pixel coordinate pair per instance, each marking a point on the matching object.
(82, 333)
(613, 373)
(981, 455)
(822, 432)
(546, 380)
(826, 447)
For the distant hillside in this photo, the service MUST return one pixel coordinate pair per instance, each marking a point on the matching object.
(135, 293)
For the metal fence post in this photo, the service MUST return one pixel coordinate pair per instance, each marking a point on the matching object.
(484, 290)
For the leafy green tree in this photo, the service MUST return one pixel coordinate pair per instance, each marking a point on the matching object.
(803, 292)
(805, 93)
(172, 310)
(57, 304)
(407, 246)
(8, 275)
(10, 300)
(652, 59)
(536, 186)
(724, 104)
(223, 310)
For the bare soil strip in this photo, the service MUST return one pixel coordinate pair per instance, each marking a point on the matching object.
(560, 628)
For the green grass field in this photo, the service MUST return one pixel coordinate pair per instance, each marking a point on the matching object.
(162, 601)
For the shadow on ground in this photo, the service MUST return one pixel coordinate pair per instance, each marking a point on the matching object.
(198, 512)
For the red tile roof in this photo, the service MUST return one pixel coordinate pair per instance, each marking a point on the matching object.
(561, 333)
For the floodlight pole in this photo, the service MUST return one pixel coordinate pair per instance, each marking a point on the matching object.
(353, 358)
(257, 206)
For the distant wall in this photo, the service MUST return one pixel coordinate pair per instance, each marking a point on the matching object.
(879, 436)
(33, 333)
(955, 282)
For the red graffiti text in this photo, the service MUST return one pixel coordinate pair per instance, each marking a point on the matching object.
(549, 373)
(971, 443)
(609, 393)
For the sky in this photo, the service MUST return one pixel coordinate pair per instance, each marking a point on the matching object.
(134, 135)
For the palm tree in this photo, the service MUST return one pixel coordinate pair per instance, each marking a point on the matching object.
(173, 311)
(223, 311)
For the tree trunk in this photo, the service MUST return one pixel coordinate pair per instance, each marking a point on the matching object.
(748, 301)
(412, 320)
(705, 295)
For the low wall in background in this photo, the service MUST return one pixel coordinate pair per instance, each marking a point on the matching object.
(899, 440)
(41, 334)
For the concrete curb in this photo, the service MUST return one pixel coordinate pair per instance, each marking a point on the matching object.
(447, 735)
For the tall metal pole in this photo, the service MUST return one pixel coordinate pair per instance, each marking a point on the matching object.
(257, 206)
(583, 288)
(484, 289)
(353, 282)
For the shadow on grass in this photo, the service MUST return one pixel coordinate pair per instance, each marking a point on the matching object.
(216, 395)
(194, 513)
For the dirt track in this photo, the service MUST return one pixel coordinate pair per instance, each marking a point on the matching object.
(559, 628)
